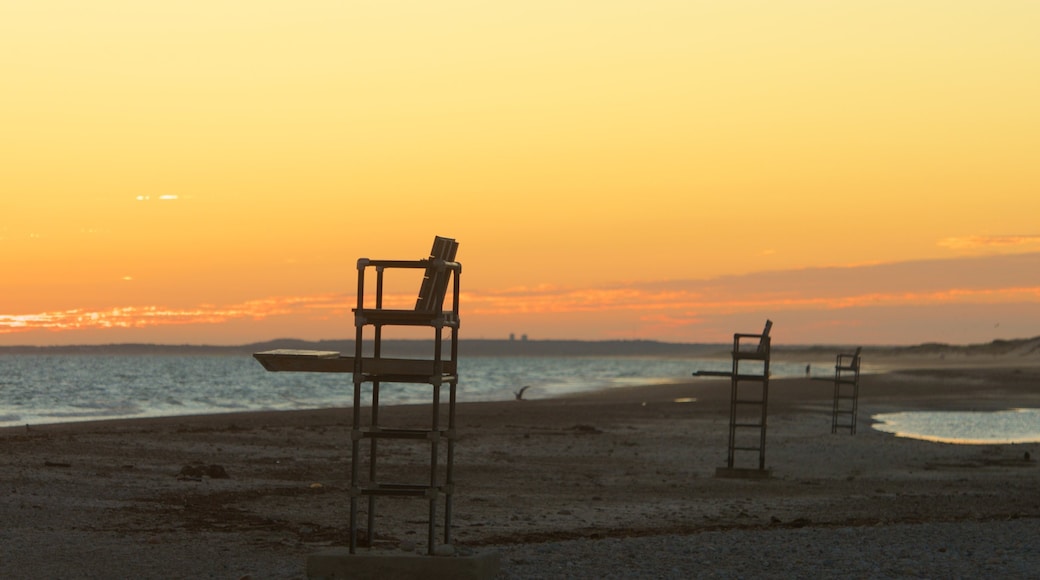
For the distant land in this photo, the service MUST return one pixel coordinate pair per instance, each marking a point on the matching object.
(471, 347)
(1027, 347)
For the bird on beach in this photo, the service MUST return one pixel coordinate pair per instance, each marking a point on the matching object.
(520, 394)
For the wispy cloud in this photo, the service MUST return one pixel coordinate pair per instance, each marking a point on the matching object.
(675, 308)
(842, 301)
(690, 303)
(1025, 242)
(163, 197)
(151, 316)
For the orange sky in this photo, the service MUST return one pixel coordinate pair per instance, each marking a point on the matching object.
(209, 172)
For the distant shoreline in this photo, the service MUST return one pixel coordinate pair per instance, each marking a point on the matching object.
(468, 347)
(1024, 347)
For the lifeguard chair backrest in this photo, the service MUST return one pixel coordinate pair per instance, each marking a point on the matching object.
(435, 281)
(762, 342)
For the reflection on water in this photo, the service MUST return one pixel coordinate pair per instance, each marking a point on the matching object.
(964, 427)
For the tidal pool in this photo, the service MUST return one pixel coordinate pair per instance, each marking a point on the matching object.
(964, 427)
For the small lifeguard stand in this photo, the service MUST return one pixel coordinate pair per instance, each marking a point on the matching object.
(846, 391)
(748, 404)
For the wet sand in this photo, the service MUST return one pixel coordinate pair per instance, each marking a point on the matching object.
(252, 494)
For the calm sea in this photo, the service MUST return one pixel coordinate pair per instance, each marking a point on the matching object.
(50, 388)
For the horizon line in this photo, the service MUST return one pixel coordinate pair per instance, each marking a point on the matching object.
(508, 340)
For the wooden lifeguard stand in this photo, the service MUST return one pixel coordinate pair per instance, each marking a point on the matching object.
(748, 404)
(434, 483)
(846, 391)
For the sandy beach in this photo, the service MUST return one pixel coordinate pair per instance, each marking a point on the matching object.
(611, 484)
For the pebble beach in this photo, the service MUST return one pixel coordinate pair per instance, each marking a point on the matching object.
(615, 484)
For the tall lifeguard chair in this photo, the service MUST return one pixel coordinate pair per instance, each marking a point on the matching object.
(748, 404)
(435, 482)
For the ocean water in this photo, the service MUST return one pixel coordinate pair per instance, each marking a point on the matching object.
(52, 388)
(964, 427)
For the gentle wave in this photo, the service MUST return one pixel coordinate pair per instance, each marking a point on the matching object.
(37, 389)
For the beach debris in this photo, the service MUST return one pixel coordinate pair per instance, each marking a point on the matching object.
(520, 393)
(585, 429)
(199, 470)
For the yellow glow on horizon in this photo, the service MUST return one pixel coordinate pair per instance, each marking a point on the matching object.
(227, 150)
(661, 308)
(679, 302)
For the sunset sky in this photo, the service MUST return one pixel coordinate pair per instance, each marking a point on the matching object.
(209, 171)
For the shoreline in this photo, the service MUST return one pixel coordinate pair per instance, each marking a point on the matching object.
(888, 363)
(889, 383)
(590, 476)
